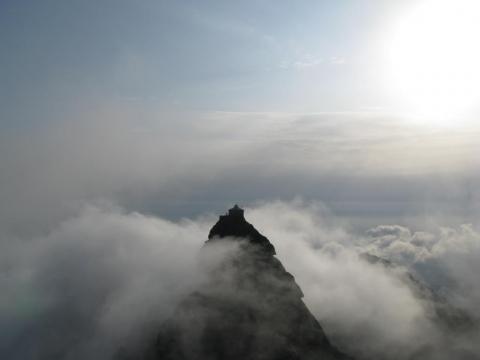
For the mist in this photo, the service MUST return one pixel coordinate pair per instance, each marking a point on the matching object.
(106, 278)
(347, 131)
(102, 220)
(178, 163)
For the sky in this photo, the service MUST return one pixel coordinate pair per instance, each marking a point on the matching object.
(127, 127)
(178, 108)
(248, 56)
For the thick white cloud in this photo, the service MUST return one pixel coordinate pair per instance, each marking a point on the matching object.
(105, 277)
(452, 251)
(368, 308)
(99, 279)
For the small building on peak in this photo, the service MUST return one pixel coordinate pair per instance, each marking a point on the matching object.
(233, 226)
(236, 211)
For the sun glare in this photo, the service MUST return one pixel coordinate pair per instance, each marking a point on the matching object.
(434, 59)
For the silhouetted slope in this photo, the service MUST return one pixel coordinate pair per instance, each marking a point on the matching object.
(234, 225)
(250, 307)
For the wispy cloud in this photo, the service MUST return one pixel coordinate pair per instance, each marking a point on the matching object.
(304, 62)
(308, 61)
(338, 60)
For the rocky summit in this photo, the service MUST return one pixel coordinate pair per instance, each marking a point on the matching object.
(249, 308)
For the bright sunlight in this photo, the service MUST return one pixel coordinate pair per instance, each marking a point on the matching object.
(434, 59)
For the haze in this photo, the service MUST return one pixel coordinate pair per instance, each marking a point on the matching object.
(356, 122)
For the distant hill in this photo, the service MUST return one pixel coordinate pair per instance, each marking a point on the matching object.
(441, 312)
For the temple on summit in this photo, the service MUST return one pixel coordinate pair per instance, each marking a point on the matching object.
(236, 211)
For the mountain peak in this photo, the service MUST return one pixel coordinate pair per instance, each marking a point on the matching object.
(236, 211)
(248, 307)
(233, 225)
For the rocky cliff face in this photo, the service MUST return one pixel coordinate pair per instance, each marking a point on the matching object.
(249, 308)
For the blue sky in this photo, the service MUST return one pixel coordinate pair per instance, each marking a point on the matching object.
(240, 56)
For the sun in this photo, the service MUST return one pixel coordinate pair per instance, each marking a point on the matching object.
(434, 58)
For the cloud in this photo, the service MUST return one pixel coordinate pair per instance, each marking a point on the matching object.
(106, 277)
(338, 60)
(445, 253)
(309, 61)
(303, 63)
(66, 250)
(369, 310)
(389, 231)
(399, 244)
(99, 279)
(175, 164)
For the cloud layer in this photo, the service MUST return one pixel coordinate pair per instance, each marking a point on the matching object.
(98, 280)
(368, 166)
(105, 277)
(76, 267)
(369, 309)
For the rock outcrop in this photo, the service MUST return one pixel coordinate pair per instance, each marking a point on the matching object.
(249, 308)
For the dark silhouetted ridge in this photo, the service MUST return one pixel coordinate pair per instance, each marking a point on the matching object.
(250, 307)
(233, 225)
